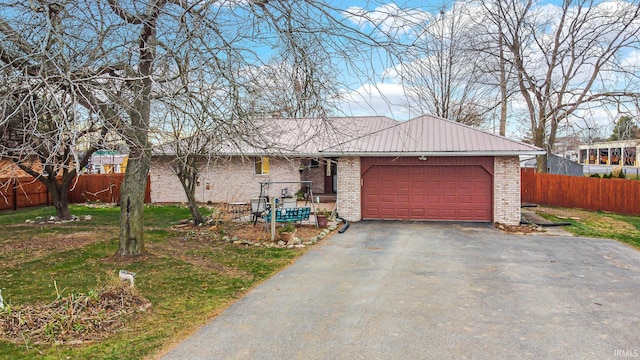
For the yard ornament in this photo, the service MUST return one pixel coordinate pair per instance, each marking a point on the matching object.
(127, 276)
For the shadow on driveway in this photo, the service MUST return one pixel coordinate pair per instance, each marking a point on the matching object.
(404, 290)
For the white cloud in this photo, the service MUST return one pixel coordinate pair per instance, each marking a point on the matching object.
(380, 99)
(388, 19)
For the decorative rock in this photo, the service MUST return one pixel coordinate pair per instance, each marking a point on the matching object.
(321, 236)
(332, 227)
(295, 241)
(235, 238)
(52, 218)
(87, 218)
(326, 231)
(290, 247)
(281, 243)
(306, 243)
(299, 246)
(28, 221)
(226, 239)
(313, 240)
(237, 242)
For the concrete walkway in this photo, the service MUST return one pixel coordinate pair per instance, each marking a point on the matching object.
(393, 290)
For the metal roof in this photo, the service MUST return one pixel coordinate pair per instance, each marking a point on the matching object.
(430, 135)
(365, 136)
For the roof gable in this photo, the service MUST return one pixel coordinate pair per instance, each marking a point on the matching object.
(432, 135)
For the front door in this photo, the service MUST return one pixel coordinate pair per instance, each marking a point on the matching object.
(330, 176)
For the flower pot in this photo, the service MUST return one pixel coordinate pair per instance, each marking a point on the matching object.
(286, 236)
(322, 220)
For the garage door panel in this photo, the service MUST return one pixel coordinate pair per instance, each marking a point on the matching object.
(386, 185)
(433, 213)
(434, 184)
(448, 214)
(433, 199)
(465, 199)
(418, 185)
(372, 198)
(449, 199)
(465, 213)
(427, 193)
(387, 198)
(387, 213)
(403, 212)
(418, 213)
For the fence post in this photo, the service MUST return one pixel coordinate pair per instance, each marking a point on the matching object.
(15, 195)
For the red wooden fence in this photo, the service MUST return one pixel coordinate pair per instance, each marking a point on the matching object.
(26, 192)
(619, 196)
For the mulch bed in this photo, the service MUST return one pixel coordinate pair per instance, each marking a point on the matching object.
(74, 319)
(519, 229)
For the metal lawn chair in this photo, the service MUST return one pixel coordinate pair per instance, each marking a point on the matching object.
(258, 206)
(289, 203)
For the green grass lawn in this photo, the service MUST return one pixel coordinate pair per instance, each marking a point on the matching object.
(187, 279)
(597, 224)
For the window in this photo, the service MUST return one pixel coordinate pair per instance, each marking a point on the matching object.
(261, 165)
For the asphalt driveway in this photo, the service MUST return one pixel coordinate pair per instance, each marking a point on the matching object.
(401, 290)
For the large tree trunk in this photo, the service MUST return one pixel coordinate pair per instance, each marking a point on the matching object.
(58, 191)
(135, 177)
(188, 175)
(541, 164)
(59, 197)
(503, 84)
(193, 207)
(132, 206)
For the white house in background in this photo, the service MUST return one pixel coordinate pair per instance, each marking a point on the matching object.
(427, 168)
(615, 153)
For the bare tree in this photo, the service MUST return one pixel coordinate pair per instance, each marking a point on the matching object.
(118, 60)
(42, 131)
(50, 146)
(566, 57)
(442, 73)
(296, 84)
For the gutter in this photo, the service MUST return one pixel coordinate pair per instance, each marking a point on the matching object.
(434, 153)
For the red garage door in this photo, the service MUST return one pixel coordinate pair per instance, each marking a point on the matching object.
(427, 193)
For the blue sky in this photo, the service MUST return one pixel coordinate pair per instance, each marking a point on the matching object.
(385, 96)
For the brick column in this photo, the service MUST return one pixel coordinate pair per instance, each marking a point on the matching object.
(506, 190)
(348, 196)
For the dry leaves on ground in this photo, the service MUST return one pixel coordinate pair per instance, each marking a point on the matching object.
(74, 319)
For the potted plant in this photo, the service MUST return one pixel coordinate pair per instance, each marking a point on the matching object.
(322, 215)
(287, 231)
(301, 194)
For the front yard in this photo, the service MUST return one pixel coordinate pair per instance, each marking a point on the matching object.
(188, 275)
(50, 273)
